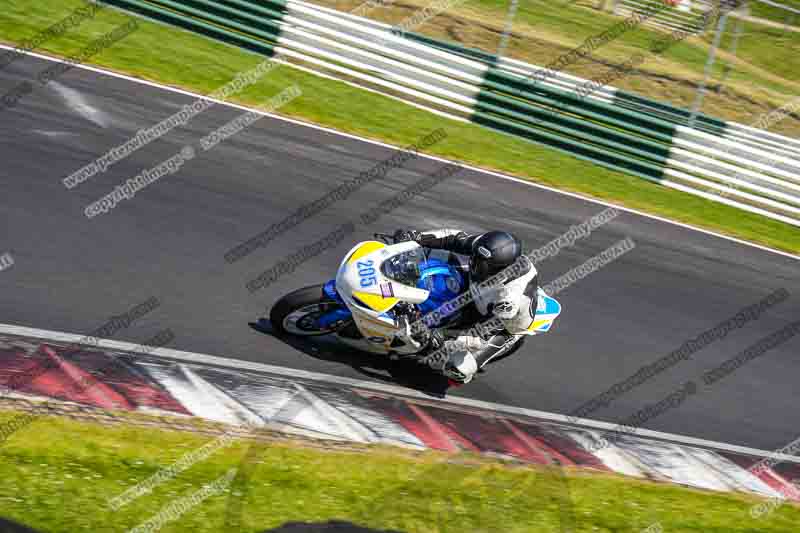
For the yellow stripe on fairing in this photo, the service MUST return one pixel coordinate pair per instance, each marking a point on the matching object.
(375, 301)
(365, 249)
(538, 323)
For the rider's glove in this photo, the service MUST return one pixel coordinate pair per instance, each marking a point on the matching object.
(405, 235)
(407, 313)
(409, 320)
(404, 309)
(436, 340)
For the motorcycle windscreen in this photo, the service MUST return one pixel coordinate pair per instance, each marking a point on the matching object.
(405, 267)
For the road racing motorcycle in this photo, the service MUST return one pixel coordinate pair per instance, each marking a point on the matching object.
(375, 279)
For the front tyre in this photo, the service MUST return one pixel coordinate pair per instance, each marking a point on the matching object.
(298, 313)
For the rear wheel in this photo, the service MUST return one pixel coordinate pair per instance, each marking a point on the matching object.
(298, 313)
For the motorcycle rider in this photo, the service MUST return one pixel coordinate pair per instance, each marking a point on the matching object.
(504, 286)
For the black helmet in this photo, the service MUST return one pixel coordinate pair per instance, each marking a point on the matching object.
(492, 252)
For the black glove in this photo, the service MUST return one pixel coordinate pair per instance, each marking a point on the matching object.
(405, 235)
(403, 309)
(436, 340)
(407, 310)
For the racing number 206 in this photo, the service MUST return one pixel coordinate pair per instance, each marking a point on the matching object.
(367, 273)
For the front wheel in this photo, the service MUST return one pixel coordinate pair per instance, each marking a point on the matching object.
(299, 313)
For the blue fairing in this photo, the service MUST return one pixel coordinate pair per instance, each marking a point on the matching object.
(330, 291)
(331, 317)
(339, 313)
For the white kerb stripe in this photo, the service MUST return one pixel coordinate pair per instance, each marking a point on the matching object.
(198, 358)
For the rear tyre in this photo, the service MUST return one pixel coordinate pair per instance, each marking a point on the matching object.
(298, 312)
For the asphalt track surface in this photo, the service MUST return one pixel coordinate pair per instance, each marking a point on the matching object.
(72, 273)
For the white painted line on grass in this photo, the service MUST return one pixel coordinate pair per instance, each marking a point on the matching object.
(193, 357)
(431, 157)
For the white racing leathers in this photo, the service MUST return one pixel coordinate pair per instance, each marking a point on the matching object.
(501, 310)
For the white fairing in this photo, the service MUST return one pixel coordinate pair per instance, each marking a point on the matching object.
(369, 294)
(534, 317)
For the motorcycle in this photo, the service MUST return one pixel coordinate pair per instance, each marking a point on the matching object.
(374, 279)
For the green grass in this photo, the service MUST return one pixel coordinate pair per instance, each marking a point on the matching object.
(58, 474)
(767, 48)
(543, 30)
(776, 14)
(773, 49)
(778, 51)
(174, 57)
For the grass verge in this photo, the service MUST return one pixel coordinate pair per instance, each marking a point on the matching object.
(777, 14)
(58, 474)
(762, 76)
(160, 53)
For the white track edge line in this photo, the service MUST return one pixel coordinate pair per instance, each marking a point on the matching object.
(195, 357)
(431, 157)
